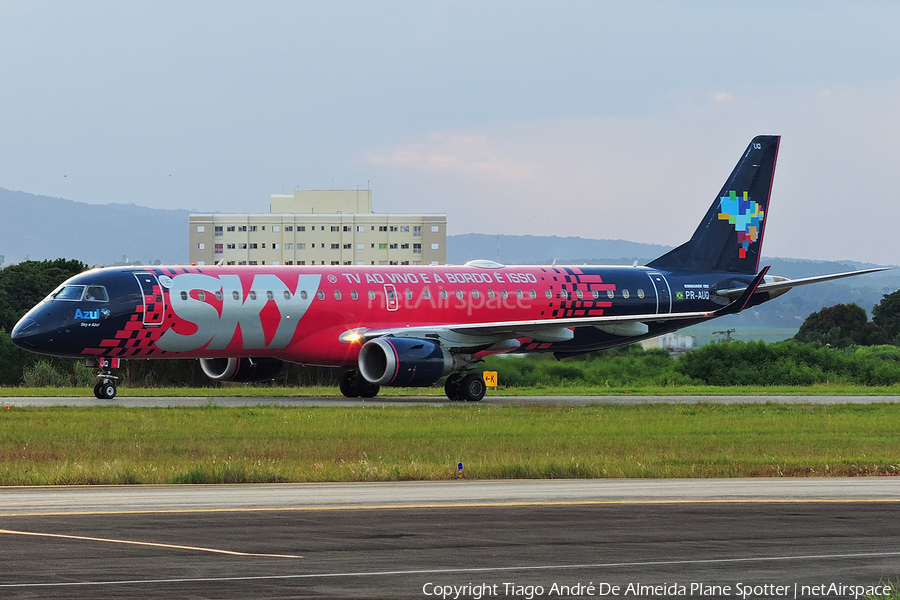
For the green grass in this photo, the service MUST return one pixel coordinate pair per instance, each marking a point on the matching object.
(838, 389)
(113, 445)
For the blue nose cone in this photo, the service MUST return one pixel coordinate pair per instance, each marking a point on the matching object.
(23, 332)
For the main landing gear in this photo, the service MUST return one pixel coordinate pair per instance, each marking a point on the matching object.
(105, 389)
(465, 388)
(354, 385)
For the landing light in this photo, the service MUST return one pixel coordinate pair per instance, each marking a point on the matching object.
(352, 336)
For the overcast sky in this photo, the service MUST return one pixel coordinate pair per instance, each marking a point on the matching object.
(594, 119)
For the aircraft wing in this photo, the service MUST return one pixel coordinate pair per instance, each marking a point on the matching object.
(557, 330)
(777, 286)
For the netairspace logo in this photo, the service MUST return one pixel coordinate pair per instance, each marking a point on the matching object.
(746, 591)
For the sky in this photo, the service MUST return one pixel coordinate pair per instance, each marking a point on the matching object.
(611, 120)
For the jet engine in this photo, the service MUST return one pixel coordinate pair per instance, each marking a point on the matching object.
(403, 361)
(242, 370)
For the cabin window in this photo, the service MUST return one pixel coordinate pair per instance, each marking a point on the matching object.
(337, 294)
(184, 295)
(354, 295)
(640, 293)
(443, 294)
(564, 294)
(251, 295)
(426, 294)
(320, 295)
(610, 294)
(626, 294)
(579, 294)
(475, 294)
(459, 294)
(303, 294)
(548, 293)
(504, 294)
(287, 295)
(201, 296)
(96, 293)
(519, 294)
(491, 294)
(409, 294)
(270, 295)
(595, 294)
(532, 294)
(220, 296)
(236, 295)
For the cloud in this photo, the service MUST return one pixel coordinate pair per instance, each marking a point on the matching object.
(723, 97)
(462, 154)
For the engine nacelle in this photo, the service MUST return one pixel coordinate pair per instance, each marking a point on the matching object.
(403, 361)
(242, 370)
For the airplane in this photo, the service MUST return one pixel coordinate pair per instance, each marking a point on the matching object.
(412, 325)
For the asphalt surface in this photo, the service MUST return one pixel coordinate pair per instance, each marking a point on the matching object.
(400, 540)
(156, 401)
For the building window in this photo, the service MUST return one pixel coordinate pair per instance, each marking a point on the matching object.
(252, 227)
(382, 246)
(275, 246)
(348, 246)
(347, 228)
(361, 228)
(242, 246)
(254, 246)
(301, 246)
(288, 227)
(417, 262)
(360, 246)
(404, 246)
(382, 262)
(334, 262)
(393, 246)
(229, 228)
(435, 229)
(417, 231)
(289, 246)
(263, 245)
(242, 228)
(275, 228)
(288, 262)
(301, 228)
(219, 249)
(417, 248)
(335, 228)
(434, 246)
(335, 246)
(301, 262)
(230, 246)
(252, 295)
(201, 246)
(200, 228)
(393, 228)
(382, 228)
(218, 230)
(404, 229)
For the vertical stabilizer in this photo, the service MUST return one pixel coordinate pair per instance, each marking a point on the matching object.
(730, 236)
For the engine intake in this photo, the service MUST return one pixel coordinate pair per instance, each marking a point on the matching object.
(242, 370)
(403, 361)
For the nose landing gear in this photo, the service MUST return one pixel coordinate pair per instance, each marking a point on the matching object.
(105, 389)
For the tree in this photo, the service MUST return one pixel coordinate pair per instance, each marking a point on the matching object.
(886, 315)
(25, 284)
(840, 326)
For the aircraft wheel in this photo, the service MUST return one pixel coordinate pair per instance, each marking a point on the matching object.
(368, 389)
(350, 384)
(98, 391)
(452, 387)
(472, 388)
(105, 390)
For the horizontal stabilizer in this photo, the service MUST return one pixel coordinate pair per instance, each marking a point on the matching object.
(778, 286)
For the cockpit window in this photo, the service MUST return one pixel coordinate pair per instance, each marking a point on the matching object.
(96, 293)
(68, 292)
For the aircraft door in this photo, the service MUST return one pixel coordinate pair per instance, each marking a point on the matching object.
(154, 300)
(391, 300)
(663, 293)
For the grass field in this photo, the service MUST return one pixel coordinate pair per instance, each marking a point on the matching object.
(264, 391)
(112, 445)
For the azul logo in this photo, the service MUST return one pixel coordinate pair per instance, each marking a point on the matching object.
(745, 215)
(90, 315)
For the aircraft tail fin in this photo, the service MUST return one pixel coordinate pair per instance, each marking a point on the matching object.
(730, 236)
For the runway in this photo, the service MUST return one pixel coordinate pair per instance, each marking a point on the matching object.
(391, 540)
(165, 401)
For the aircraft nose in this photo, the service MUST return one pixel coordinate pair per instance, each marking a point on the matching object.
(23, 331)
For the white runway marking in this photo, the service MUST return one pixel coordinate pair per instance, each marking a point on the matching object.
(136, 543)
(659, 563)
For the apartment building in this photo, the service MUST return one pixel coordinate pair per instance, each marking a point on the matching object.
(319, 227)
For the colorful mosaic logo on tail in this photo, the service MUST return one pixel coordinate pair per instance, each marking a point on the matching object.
(745, 215)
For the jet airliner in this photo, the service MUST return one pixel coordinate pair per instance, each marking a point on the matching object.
(412, 325)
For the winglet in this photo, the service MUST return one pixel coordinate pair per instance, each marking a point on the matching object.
(742, 302)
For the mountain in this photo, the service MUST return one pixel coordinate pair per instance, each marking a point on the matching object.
(40, 227)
